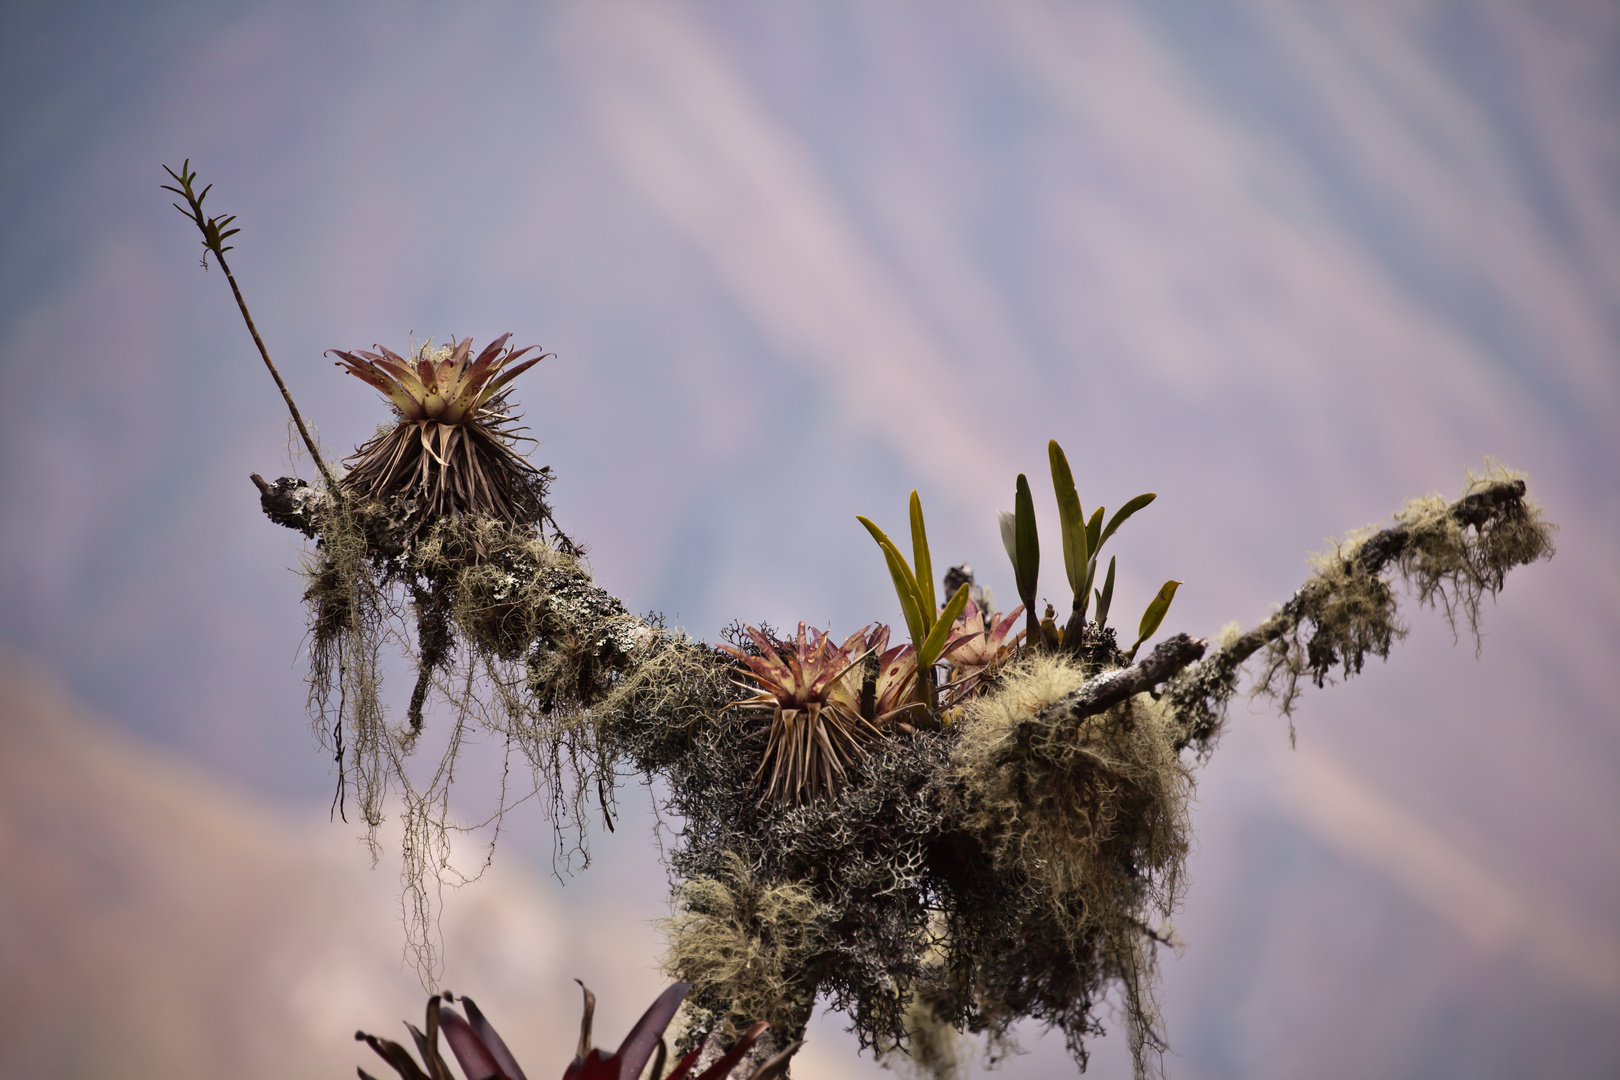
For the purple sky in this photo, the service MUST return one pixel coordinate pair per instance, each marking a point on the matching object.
(1285, 265)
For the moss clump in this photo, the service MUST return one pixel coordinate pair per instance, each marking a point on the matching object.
(741, 944)
(1088, 821)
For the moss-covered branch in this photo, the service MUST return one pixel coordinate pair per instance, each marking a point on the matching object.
(1105, 691)
(1011, 860)
(1452, 555)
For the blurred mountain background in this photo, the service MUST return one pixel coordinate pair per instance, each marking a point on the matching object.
(1286, 265)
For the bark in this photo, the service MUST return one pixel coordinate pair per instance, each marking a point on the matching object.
(290, 503)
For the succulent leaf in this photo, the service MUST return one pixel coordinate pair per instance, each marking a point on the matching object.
(1094, 536)
(1027, 563)
(1105, 596)
(905, 582)
(1009, 537)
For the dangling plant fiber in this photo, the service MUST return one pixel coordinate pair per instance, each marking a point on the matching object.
(1090, 819)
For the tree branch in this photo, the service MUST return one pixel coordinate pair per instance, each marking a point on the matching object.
(1200, 679)
(1108, 690)
(1200, 682)
(1199, 693)
(1374, 554)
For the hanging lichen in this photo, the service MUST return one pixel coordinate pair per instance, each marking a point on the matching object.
(741, 944)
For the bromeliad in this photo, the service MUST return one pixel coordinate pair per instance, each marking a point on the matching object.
(483, 1055)
(816, 732)
(450, 452)
(986, 645)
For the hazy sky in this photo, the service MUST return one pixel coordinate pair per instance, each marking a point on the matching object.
(1286, 265)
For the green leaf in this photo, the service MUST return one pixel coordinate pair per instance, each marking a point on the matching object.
(1105, 596)
(1123, 514)
(905, 587)
(1071, 519)
(922, 565)
(1094, 538)
(1009, 537)
(1028, 563)
(928, 652)
(905, 583)
(1154, 615)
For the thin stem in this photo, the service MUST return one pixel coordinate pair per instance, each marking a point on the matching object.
(286, 395)
(215, 231)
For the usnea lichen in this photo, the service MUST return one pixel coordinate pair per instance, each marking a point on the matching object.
(1090, 816)
(741, 943)
(1454, 561)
